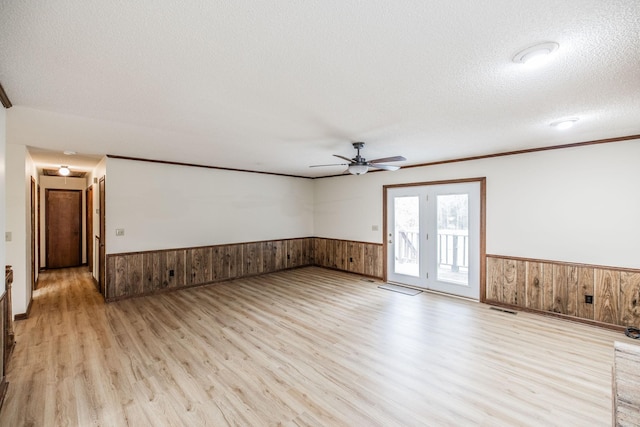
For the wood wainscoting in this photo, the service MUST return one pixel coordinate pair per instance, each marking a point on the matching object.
(347, 255)
(142, 273)
(562, 289)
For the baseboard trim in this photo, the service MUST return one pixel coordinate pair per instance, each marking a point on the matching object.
(24, 316)
(610, 326)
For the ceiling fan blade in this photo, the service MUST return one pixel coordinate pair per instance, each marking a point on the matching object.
(343, 158)
(388, 159)
(384, 167)
(333, 164)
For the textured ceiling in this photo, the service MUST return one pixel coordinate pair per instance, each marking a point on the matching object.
(278, 86)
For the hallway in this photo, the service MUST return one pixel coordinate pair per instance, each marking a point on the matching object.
(53, 350)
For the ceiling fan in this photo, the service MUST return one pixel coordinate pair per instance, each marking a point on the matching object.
(359, 165)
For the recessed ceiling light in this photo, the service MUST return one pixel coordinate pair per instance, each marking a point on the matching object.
(536, 53)
(565, 123)
(70, 153)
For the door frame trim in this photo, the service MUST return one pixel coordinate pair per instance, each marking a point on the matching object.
(483, 228)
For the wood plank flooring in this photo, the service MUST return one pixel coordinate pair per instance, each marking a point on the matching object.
(306, 347)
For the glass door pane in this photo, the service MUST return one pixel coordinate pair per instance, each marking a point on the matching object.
(433, 237)
(453, 238)
(407, 235)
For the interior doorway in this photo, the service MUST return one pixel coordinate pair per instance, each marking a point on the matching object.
(89, 226)
(33, 232)
(434, 236)
(102, 281)
(63, 228)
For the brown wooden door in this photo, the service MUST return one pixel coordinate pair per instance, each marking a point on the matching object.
(64, 228)
(33, 233)
(101, 251)
(89, 227)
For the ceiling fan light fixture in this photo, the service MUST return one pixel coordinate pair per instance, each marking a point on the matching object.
(64, 171)
(358, 169)
(535, 54)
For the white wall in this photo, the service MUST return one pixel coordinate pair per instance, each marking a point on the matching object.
(19, 170)
(170, 206)
(3, 143)
(577, 205)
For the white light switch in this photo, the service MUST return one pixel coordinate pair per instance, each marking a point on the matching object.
(7, 236)
(374, 228)
(119, 231)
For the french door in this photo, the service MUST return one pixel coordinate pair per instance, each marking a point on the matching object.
(433, 237)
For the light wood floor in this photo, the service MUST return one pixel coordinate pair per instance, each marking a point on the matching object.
(307, 347)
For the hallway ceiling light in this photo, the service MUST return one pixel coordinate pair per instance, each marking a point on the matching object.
(565, 123)
(69, 153)
(64, 171)
(535, 54)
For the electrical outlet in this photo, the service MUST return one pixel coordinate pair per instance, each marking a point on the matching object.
(588, 299)
(350, 259)
(171, 273)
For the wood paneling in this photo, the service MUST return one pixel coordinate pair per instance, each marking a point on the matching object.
(521, 283)
(252, 255)
(629, 299)
(562, 288)
(320, 254)
(141, 273)
(572, 290)
(347, 255)
(495, 267)
(585, 288)
(198, 264)
(607, 295)
(535, 285)
(510, 285)
(373, 260)
(355, 257)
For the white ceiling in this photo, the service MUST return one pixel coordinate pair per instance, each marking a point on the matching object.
(278, 86)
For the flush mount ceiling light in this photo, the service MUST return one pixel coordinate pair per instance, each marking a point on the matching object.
(565, 123)
(64, 171)
(536, 53)
(69, 153)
